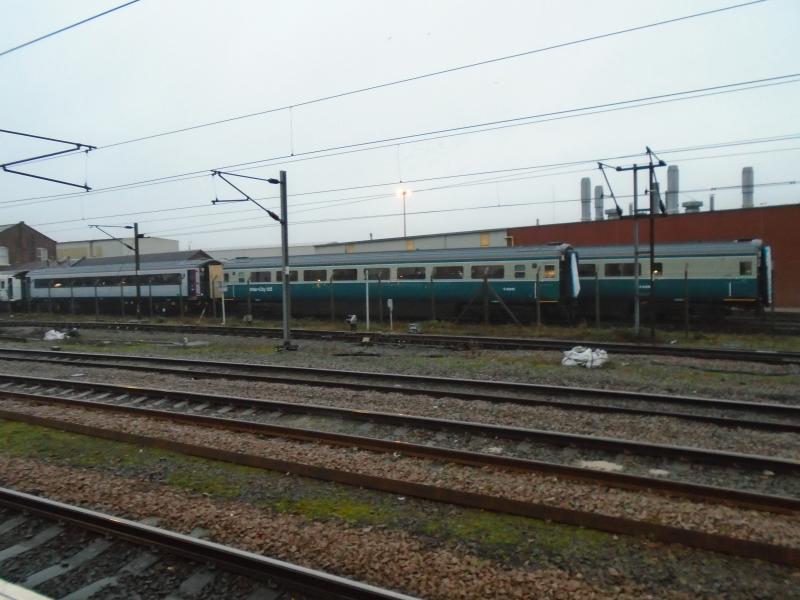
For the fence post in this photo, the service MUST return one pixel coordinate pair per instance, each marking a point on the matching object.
(686, 298)
(596, 299)
(485, 299)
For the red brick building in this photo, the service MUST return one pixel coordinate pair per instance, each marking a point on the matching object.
(778, 226)
(20, 243)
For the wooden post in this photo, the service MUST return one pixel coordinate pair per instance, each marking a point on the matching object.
(485, 299)
(333, 301)
(596, 299)
(686, 298)
(150, 294)
(433, 299)
(536, 290)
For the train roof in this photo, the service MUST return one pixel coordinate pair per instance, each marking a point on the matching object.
(737, 248)
(116, 264)
(413, 256)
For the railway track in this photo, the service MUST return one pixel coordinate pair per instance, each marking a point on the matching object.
(73, 553)
(584, 518)
(528, 450)
(727, 413)
(445, 341)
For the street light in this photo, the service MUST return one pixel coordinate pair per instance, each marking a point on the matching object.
(402, 194)
(136, 237)
(286, 297)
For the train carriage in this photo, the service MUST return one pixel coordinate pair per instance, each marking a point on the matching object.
(419, 282)
(165, 277)
(712, 273)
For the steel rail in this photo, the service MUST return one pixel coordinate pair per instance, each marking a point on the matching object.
(428, 386)
(625, 481)
(300, 579)
(617, 525)
(448, 341)
(555, 438)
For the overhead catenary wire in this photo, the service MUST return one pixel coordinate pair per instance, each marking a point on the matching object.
(439, 72)
(498, 172)
(71, 26)
(451, 132)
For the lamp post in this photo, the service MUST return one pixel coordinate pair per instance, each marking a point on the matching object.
(402, 194)
(286, 343)
(136, 237)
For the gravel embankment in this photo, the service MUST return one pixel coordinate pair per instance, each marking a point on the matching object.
(389, 559)
(746, 524)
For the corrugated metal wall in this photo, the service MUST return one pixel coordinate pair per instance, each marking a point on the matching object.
(778, 226)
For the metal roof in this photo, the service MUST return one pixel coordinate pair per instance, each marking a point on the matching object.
(410, 257)
(676, 249)
(117, 264)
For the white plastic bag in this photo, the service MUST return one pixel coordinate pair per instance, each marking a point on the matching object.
(584, 357)
(53, 335)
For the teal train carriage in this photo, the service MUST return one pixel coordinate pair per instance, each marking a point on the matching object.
(420, 284)
(710, 274)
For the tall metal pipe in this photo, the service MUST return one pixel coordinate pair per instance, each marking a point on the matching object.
(598, 203)
(747, 187)
(673, 189)
(586, 199)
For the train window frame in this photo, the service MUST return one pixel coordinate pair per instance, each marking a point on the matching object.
(378, 273)
(447, 272)
(412, 273)
(488, 271)
(344, 275)
(587, 270)
(550, 271)
(292, 276)
(620, 269)
(519, 271)
(745, 268)
(260, 276)
(313, 275)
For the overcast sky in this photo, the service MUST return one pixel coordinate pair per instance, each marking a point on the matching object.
(157, 66)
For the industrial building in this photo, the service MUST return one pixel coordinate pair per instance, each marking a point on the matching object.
(22, 244)
(105, 248)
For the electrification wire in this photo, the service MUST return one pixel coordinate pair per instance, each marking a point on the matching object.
(498, 173)
(51, 34)
(437, 73)
(451, 132)
(448, 210)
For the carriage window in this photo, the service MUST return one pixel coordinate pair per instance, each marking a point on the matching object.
(411, 272)
(260, 277)
(344, 274)
(519, 271)
(315, 275)
(448, 272)
(621, 269)
(488, 271)
(292, 276)
(225, 277)
(549, 271)
(745, 267)
(378, 273)
(587, 270)
(658, 268)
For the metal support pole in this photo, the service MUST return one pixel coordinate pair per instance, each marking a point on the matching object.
(136, 273)
(121, 298)
(380, 299)
(287, 309)
(96, 301)
(249, 304)
(214, 296)
(180, 295)
(333, 301)
(366, 299)
(149, 294)
(72, 297)
(686, 298)
(652, 296)
(485, 300)
(433, 299)
(636, 297)
(404, 213)
(222, 288)
(536, 290)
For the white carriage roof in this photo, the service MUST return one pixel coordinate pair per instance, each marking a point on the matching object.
(685, 249)
(118, 264)
(411, 257)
